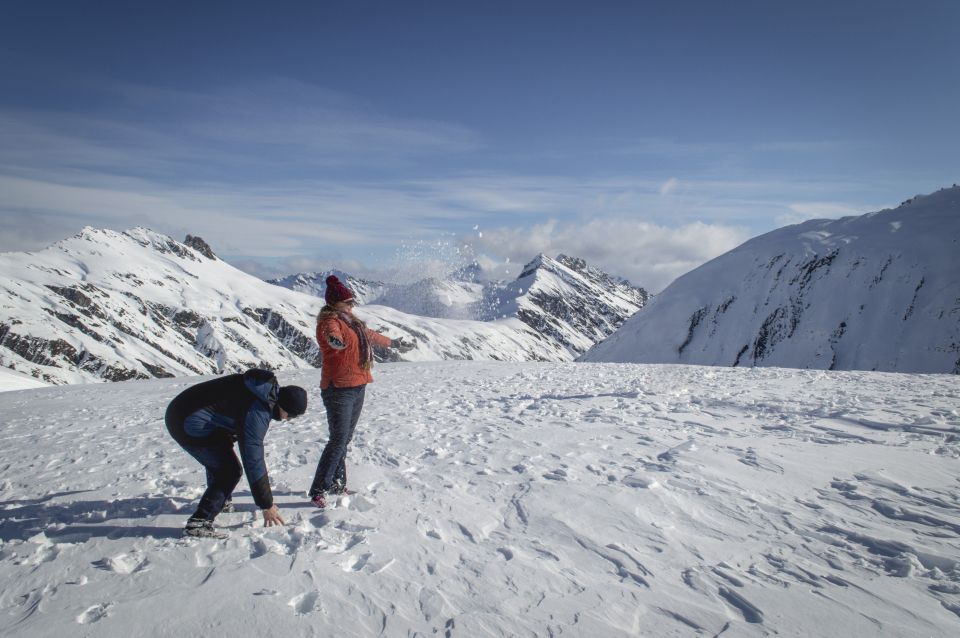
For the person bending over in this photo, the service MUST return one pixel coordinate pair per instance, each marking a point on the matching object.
(207, 419)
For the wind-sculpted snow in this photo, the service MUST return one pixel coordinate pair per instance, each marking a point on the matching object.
(876, 292)
(504, 499)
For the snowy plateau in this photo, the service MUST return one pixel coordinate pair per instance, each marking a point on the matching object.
(503, 499)
(501, 489)
(876, 292)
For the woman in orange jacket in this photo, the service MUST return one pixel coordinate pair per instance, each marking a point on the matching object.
(346, 346)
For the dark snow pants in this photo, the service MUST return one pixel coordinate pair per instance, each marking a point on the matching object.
(216, 455)
(343, 411)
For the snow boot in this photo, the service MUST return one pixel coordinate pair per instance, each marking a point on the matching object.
(201, 528)
(319, 500)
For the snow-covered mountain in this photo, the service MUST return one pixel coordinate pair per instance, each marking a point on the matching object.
(875, 292)
(105, 305)
(564, 298)
(570, 304)
(315, 284)
(113, 306)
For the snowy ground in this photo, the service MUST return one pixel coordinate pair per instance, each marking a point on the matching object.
(504, 499)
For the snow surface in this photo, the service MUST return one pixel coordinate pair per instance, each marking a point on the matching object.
(876, 292)
(11, 380)
(503, 499)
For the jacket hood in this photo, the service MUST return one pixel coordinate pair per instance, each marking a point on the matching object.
(263, 384)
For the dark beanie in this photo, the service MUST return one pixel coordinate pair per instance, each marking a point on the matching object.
(293, 400)
(336, 291)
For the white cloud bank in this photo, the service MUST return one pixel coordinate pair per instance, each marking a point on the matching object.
(647, 254)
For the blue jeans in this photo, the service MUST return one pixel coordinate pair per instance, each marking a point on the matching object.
(223, 473)
(216, 455)
(343, 411)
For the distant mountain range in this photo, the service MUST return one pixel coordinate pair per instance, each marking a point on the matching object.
(112, 306)
(876, 292)
(562, 299)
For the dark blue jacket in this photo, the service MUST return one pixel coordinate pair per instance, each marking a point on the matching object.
(234, 407)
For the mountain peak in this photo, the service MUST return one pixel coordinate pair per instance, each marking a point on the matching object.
(200, 246)
(871, 292)
(538, 262)
(573, 263)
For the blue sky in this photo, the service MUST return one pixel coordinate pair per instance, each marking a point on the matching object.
(304, 135)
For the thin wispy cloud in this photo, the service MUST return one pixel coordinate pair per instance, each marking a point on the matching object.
(282, 172)
(229, 133)
(331, 136)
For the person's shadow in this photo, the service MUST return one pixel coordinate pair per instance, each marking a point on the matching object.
(79, 521)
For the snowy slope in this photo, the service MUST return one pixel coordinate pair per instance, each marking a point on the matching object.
(11, 380)
(504, 500)
(114, 306)
(876, 292)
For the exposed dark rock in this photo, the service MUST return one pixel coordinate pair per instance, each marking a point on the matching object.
(771, 333)
(98, 367)
(36, 350)
(200, 246)
(81, 297)
(695, 320)
(75, 322)
(158, 372)
(292, 338)
(806, 270)
(743, 351)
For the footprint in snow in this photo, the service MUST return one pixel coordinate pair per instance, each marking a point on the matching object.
(94, 614)
(123, 564)
(559, 474)
(671, 455)
(305, 603)
(357, 503)
(641, 482)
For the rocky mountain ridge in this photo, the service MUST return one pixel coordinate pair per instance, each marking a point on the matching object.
(113, 306)
(570, 303)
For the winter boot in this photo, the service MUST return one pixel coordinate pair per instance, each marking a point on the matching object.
(319, 500)
(340, 488)
(201, 528)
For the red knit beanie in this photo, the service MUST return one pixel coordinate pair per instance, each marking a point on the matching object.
(336, 291)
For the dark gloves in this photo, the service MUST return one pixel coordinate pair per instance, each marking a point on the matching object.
(403, 345)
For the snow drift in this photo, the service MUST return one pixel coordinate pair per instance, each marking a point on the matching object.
(499, 499)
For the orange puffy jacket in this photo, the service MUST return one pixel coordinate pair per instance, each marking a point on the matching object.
(342, 366)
